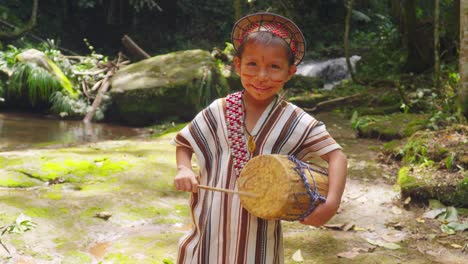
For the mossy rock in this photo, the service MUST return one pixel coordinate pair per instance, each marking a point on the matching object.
(389, 127)
(422, 183)
(173, 86)
(448, 147)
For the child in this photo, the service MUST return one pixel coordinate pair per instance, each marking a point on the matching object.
(230, 131)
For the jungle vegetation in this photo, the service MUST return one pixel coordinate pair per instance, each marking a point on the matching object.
(395, 38)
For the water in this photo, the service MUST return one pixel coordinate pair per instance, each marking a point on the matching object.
(21, 131)
(331, 71)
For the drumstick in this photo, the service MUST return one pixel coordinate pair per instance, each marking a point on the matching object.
(227, 191)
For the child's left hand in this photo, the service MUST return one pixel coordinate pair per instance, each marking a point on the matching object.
(321, 214)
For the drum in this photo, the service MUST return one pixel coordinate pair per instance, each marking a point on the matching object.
(284, 188)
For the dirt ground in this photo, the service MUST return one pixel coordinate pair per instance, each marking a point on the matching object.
(146, 216)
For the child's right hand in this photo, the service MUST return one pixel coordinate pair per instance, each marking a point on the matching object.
(185, 180)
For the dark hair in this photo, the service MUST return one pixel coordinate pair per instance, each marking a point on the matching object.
(265, 38)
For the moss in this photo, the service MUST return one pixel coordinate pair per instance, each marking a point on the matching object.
(15, 179)
(393, 148)
(405, 180)
(422, 183)
(77, 257)
(164, 129)
(448, 145)
(155, 248)
(120, 258)
(390, 127)
(168, 87)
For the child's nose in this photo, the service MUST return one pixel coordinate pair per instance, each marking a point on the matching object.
(262, 75)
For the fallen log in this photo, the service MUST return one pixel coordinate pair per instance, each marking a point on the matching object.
(134, 49)
(102, 90)
(332, 102)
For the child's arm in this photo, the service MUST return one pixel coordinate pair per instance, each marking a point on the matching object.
(185, 179)
(337, 170)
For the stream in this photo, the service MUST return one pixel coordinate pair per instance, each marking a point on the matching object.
(134, 215)
(25, 130)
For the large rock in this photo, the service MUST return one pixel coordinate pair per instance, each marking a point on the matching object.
(173, 86)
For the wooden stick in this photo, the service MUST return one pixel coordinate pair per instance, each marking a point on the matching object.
(227, 191)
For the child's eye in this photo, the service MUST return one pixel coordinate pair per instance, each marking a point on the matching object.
(274, 66)
(251, 63)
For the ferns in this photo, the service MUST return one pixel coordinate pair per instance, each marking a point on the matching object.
(29, 80)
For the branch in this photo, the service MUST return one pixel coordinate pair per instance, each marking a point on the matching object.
(131, 46)
(332, 102)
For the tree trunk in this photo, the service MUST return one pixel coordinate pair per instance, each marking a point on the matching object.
(349, 7)
(20, 31)
(436, 45)
(237, 9)
(415, 60)
(453, 24)
(463, 88)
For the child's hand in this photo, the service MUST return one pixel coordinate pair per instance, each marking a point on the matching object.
(321, 214)
(185, 180)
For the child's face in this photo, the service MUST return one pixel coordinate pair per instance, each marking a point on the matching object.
(263, 69)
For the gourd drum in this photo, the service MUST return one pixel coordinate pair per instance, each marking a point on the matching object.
(279, 191)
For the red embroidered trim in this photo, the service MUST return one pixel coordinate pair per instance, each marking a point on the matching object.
(276, 28)
(235, 130)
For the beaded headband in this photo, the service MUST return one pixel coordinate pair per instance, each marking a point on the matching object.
(276, 24)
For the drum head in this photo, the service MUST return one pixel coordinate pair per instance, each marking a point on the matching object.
(267, 177)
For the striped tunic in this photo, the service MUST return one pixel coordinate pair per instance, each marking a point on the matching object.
(224, 232)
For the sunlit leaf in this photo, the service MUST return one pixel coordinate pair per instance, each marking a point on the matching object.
(434, 213)
(458, 226)
(348, 254)
(435, 204)
(447, 230)
(297, 256)
(387, 245)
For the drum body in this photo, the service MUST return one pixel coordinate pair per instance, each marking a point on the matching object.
(280, 190)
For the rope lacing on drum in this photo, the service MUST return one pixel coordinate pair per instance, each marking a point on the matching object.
(314, 194)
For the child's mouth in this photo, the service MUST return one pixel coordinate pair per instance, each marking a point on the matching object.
(260, 88)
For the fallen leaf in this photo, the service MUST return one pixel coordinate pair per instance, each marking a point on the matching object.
(452, 214)
(435, 204)
(357, 228)
(419, 220)
(394, 237)
(456, 246)
(434, 213)
(458, 226)
(297, 256)
(407, 201)
(387, 245)
(447, 230)
(396, 210)
(348, 254)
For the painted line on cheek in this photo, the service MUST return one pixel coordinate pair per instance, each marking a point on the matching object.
(247, 75)
(277, 81)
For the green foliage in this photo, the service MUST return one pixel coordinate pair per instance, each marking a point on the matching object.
(22, 224)
(439, 101)
(66, 106)
(358, 122)
(33, 82)
(380, 49)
